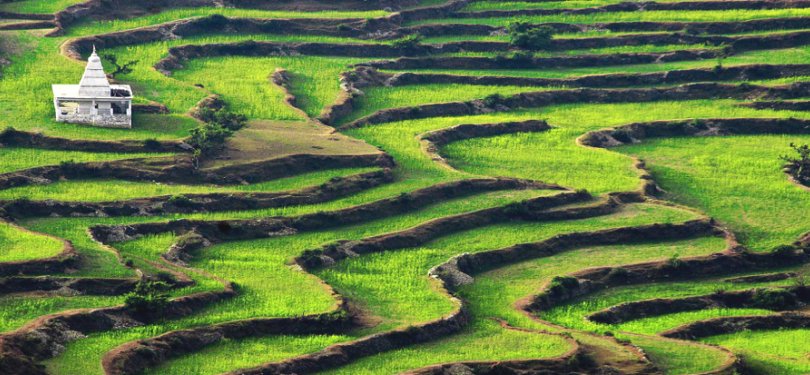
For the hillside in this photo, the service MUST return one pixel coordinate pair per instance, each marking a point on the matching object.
(413, 186)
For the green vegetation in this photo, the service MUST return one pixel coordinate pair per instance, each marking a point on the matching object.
(20, 244)
(86, 28)
(523, 35)
(736, 180)
(740, 181)
(17, 158)
(37, 6)
(104, 190)
(778, 351)
(653, 16)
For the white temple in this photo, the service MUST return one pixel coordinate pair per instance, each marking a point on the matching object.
(94, 100)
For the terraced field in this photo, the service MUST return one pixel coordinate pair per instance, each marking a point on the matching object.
(414, 190)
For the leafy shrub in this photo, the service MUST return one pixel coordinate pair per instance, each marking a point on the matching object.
(799, 167)
(69, 166)
(525, 36)
(408, 43)
(218, 126)
(209, 137)
(561, 284)
(229, 120)
(784, 251)
(148, 298)
(493, 100)
(774, 299)
(180, 200)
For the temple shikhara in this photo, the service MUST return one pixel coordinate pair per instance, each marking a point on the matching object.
(94, 100)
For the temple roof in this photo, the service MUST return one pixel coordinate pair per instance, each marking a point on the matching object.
(94, 82)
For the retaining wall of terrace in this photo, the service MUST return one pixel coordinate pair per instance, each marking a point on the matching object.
(179, 169)
(731, 324)
(44, 338)
(11, 137)
(635, 133)
(213, 202)
(799, 105)
(588, 281)
(642, 6)
(727, 299)
(692, 28)
(262, 228)
(134, 357)
(120, 9)
(67, 285)
(554, 97)
(342, 354)
(364, 76)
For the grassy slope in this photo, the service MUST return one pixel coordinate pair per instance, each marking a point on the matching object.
(737, 179)
(20, 245)
(771, 352)
(546, 156)
(105, 190)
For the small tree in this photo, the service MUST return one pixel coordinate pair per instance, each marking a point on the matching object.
(525, 36)
(799, 167)
(148, 298)
(219, 125)
(126, 68)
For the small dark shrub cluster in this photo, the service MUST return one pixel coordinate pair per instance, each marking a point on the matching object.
(493, 100)
(784, 251)
(149, 298)
(525, 36)
(774, 299)
(228, 120)
(408, 43)
(180, 201)
(218, 127)
(69, 166)
(799, 165)
(561, 284)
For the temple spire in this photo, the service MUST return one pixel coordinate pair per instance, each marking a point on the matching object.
(94, 81)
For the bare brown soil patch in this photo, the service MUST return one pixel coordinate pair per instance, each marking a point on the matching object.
(264, 140)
